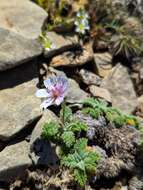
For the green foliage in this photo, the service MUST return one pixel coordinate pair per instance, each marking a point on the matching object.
(68, 138)
(80, 177)
(97, 108)
(50, 130)
(95, 113)
(66, 131)
(47, 44)
(81, 161)
(81, 144)
(74, 154)
(126, 45)
(66, 114)
(77, 126)
(55, 12)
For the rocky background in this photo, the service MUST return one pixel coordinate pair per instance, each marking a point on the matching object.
(23, 66)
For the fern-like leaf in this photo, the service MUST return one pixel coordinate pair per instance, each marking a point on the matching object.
(95, 113)
(77, 126)
(91, 160)
(80, 176)
(80, 145)
(68, 138)
(66, 114)
(50, 130)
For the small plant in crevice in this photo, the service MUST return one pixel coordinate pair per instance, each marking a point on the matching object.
(47, 44)
(74, 153)
(126, 45)
(97, 108)
(82, 22)
(59, 13)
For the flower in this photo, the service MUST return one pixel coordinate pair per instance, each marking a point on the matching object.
(81, 22)
(55, 91)
(81, 14)
(48, 45)
(81, 27)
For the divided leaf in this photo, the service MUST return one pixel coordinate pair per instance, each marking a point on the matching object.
(80, 177)
(68, 138)
(50, 130)
(77, 126)
(66, 114)
(80, 145)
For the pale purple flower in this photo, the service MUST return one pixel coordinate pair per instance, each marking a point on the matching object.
(55, 91)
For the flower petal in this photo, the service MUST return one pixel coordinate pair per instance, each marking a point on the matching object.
(42, 93)
(46, 103)
(49, 83)
(59, 100)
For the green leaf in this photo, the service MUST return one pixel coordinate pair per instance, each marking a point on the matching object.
(91, 102)
(66, 113)
(50, 130)
(80, 176)
(80, 165)
(77, 126)
(91, 161)
(80, 145)
(70, 160)
(93, 112)
(68, 138)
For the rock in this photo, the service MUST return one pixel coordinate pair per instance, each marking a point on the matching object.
(139, 111)
(75, 94)
(16, 49)
(19, 32)
(141, 72)
(20, 108)
(72, 58)
(61, 43)
(89, 78)
(140, 99)
(119, 84)
(14, 161)
(119, 186)
(100, 92)
(41, 151)
(103, 63)
(135, 183)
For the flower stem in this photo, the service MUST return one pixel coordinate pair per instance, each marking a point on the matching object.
(63, 109)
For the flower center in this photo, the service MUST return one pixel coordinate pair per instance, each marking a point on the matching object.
(56, 93)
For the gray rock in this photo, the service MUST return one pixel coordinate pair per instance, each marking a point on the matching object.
(119, 84)
(75, 94)
(89, 78)
(14, 161)
(141, 72)
(100, 92)
(135, 183)
(16, 49)
(103, 63)
(73, 58)
(60, 43)
(19, 32)
(42, 151)
(20, 108)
